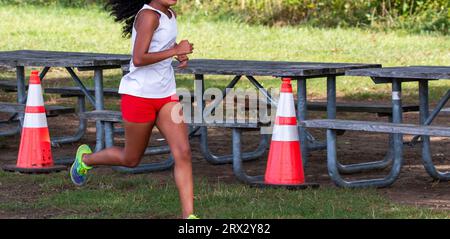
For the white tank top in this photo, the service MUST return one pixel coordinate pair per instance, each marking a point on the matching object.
(157, 80)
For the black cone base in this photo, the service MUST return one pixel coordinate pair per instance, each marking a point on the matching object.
(14, 168)
(304, 186)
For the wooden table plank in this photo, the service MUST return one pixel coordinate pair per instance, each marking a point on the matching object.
(405, 73)
(268, 68)
(61, 59)
(196, 66)
(381, 127)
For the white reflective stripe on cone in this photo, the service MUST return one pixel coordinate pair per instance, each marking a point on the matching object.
(35, 97)
(32, 120)
(288, 106)
(285, 133)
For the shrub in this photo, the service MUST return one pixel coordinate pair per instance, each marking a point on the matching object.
(413, 15)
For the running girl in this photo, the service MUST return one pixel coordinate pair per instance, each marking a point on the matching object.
(148, 95)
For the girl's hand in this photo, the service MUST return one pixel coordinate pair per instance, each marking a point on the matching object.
(184, 48)
(183, 59)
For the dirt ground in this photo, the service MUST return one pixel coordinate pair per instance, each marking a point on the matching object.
(414, 187)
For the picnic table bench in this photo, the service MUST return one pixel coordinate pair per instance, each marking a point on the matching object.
(51, 110)
(395, 76)
(446, 111)
(64, 91)
(15, 109)
(381, 127)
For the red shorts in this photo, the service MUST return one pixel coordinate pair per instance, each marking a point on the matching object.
(143, 110)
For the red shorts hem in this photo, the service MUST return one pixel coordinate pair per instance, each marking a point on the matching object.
(143, 110)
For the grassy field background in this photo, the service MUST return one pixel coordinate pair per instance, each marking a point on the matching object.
(92, 30)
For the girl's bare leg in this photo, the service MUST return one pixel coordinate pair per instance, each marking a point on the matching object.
(177, 137)
(137, 136)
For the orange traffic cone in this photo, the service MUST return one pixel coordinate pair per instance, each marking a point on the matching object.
(35, 155)
(284, 166)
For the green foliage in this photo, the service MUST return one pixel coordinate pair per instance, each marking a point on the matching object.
(417, 16)
(414, 15)
(64, 3)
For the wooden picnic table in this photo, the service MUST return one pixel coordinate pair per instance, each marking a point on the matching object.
(96, 62)
(300, 71)
(395, 76)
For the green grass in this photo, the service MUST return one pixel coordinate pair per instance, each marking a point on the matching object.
(117, 196)
(55, 28)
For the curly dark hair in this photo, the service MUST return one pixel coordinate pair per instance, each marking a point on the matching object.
(124, 11)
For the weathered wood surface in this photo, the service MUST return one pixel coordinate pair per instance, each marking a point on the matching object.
(446, 111)
(380, 127)
(313, 106)
(61, 59)
(229, 125)
(360, 108)
(51, 110)
(404, 73)
(103, 115)
(196, 66)
(11, 86)
(116, 117)
(383, 109)
(268, 68)
(75, 91)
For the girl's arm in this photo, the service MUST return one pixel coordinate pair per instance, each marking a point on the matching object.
(146, 24)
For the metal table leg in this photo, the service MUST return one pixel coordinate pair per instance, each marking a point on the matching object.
(21, 99)
(225, 92)
(238, 169)
(335, 175)
(82, 126)
(199, 117)
(98, 78)
(21, 91)
(99, 105)
(331, 97)
(226, 159)
(333, 168)
(434, 114)
(302, 116)
(426, 143)
(262, 91)
(376, 165)
(97, 102)
(331, 114)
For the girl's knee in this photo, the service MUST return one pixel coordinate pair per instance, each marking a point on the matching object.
(182, 152)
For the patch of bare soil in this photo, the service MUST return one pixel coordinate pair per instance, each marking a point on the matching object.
(414, 187)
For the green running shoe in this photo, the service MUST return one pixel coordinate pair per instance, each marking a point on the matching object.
(79, 169)
(192, 216)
